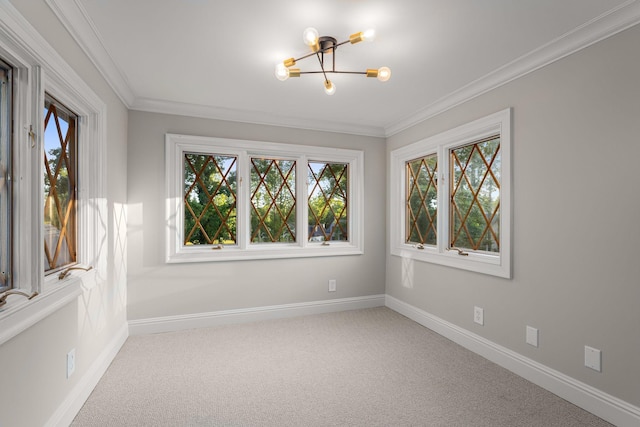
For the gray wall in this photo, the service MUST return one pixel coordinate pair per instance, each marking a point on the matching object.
(33, 383)
(157, 289)
(576, 275)
(576, 210)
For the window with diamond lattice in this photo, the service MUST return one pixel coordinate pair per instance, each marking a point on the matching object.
(328, 201)
(273, 201)
(60, 148)
(450, 197)
(243, 198)
(210, 197)
(475, 196)
(422, 200)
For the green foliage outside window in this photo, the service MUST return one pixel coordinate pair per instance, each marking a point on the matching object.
(273, 201)
(210, 199)
(422, 200)
(475, 200)
(59, 185)
(328, 202)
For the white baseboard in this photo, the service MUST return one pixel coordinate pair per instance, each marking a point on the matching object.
(215, 318)
(603, 405)
(70, 407)
(599, 403)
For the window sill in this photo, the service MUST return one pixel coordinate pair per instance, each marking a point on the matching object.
(235, 254)
(191, 254)
(19, 313)
(477, 262)
(84, 275)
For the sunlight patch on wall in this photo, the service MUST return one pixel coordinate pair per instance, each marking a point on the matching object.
(92, 310)
(119, 257)
(407, 272)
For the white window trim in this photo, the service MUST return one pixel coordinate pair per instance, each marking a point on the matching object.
(176, 252)
(39, 68)
(441, 144)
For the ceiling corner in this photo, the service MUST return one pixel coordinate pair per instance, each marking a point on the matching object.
(600, 28)
(77, 22)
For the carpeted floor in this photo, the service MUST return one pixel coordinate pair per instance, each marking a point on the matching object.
(369, 367)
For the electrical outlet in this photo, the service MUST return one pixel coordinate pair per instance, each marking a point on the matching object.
(332, 285)
(592, 358)
(71, 362)
(532, 336)
(478, 315)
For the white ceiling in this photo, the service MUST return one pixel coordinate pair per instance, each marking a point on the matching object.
(216, 58)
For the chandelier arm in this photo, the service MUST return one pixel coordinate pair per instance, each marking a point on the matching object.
(322, 66)
(305, 56)
(321, 51)
(334, 58)
(333, 72)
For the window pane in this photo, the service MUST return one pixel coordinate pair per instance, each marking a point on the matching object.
(59, 185)
(210, 199)
(328, 202)
(273, 200)
(5, 173)
(475, 196)
(422, 200)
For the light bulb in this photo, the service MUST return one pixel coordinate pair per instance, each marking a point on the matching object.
(329, 87)
(369, 35)
(366, 36)
(282, 72)
(310, 36)
(384, 74)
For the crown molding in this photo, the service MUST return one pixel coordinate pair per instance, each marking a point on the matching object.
(76, 20)
(253, 117)
(36, 51)
(606, 25)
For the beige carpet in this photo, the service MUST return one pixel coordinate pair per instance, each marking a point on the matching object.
(369, 367)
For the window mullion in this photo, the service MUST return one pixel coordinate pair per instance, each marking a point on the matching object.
(444, 196)
(243, 202)
(29, 181)
(302, 210)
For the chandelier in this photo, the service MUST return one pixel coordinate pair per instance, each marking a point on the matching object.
(322, 48)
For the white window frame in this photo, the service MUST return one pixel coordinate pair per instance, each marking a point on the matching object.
(6, 214)
(177, 252)
(38, 68)
(494, 264)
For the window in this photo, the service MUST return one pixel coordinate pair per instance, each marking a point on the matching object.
(422, 200)
(273, 200)
(210, 195)
(60, 174)
(475, 196)
(451, 197)
(328, 184)
(231, 199)
(51, 189)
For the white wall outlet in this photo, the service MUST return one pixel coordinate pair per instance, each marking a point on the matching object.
(71, 362)
(478, 315)
(532, 336)
(592, 358)
(332, 285)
